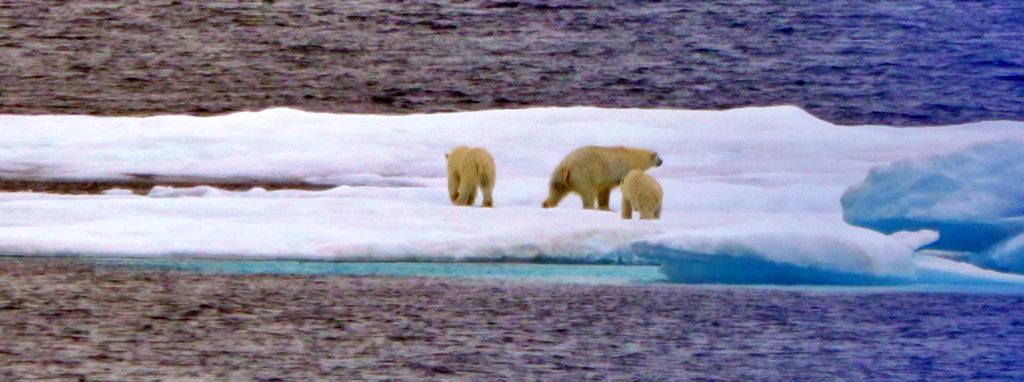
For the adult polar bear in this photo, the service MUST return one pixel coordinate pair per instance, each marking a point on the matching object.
(593, 171)
(469, 168)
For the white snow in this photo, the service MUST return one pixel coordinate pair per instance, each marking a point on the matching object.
(770, 178)
(335, 224)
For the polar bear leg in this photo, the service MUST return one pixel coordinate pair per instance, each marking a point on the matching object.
(602, 198)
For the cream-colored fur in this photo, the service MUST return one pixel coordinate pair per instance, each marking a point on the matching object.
(593, 171)
(469, 168)
(641, 192)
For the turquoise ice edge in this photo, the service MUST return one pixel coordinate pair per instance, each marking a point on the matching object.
(588, 274)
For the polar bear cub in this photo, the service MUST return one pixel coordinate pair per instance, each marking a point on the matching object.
(641, 192)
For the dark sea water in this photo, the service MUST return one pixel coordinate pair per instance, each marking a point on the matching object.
(914, 62)
(673, 332)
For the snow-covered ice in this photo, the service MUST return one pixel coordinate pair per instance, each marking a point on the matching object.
(1005, 255)
(973, 197)
(935, 270)
(766, 179)
(785, 251)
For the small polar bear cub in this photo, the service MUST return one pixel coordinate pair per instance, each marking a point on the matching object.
(469, 168)
(641, 192)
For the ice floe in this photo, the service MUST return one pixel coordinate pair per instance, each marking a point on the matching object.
(761, 185)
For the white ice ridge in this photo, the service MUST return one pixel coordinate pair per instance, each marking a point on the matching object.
(786, 251)
(777, 166)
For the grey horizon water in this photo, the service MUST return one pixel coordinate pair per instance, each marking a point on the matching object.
(917, 62)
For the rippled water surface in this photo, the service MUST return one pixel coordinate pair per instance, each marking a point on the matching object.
(912, 62)
(643, 328)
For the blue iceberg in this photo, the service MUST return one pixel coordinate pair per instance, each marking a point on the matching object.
(973, 198)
